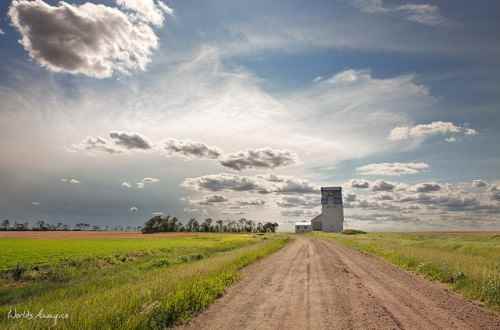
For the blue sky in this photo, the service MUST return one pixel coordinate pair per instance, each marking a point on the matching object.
(235, 109)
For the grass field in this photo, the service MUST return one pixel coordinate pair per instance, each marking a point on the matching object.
(469, 262)
(125, 283)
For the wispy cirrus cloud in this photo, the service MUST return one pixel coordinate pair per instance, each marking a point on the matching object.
(425, 14)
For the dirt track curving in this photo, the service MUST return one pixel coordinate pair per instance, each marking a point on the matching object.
(319, 284)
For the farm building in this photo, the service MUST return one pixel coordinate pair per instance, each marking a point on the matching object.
(303, 227)
(331, 218)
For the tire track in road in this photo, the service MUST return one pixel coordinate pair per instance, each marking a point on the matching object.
(319, 284)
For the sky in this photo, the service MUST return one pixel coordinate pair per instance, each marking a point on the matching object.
(112, 111)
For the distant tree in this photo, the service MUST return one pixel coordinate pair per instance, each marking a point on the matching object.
(5, 225)
(152, 225)
(174, 224)
(190, 224)
(41, 225)
(21, 226)
(242, 224)
(82, 226)
(207, 225)
(250, 225)
(196, 226)
(219, 225)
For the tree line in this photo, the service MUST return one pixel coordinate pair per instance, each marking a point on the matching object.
(160, 224)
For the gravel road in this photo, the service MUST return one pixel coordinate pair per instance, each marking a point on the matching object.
(319, 284)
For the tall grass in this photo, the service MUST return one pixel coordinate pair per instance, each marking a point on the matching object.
(141, 297)
(469, 262)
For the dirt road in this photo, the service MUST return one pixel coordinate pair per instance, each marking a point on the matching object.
(318, 284)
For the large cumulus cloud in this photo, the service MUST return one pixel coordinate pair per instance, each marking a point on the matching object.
(89, 39)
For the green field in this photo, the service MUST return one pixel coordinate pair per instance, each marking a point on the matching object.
(130, 283)
(469, 262)
(29, 252)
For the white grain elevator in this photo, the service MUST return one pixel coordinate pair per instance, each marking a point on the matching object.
(331, 218)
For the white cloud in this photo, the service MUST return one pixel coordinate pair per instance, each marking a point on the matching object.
(264, 158)
(381, 185)
(392, 169)
(253, 184)
(251, 202)
(149, 11)
(479, 183)
(146, 181)
(130, 140)
(308, 214)
(166, 9)
(350, 76)
(350, 197)
(419, 13)
(424, 14)
(224, 181)
(94, 144)
(89, 39)
(210, 200)
(70, 180)
(191, 149)
(358, 184)
(150, 180)
(293, 185)
(341, 110)
(299, 201)
(126, 185)
(436, 128)
(426, 187)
